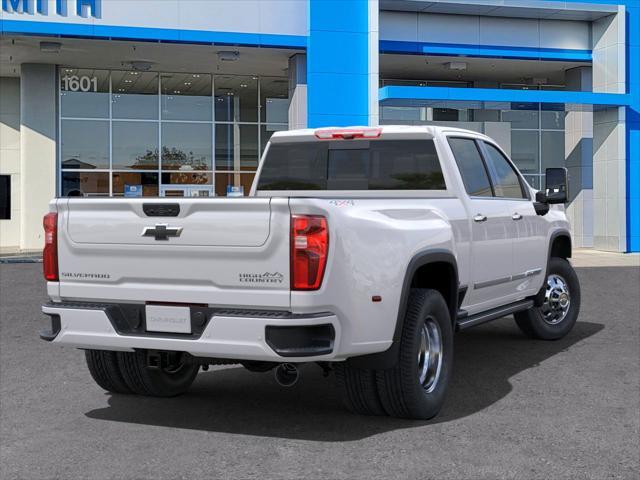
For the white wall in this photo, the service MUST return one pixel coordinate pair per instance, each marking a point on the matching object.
(10, 158)
(38, 120)
(287, 17)
(479, 30)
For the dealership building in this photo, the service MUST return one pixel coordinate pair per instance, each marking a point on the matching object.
(179, 97)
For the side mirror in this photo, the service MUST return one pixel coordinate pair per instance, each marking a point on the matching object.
(556, 186)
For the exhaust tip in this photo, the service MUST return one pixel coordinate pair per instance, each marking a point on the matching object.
(286, 374)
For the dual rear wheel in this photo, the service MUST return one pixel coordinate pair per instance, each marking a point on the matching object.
(168, 375)
(416, 386)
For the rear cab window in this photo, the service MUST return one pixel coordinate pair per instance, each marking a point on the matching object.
(352, 165)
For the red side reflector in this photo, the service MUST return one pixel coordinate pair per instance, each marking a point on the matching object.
(309, 248)
(348, 133)
(50, 252)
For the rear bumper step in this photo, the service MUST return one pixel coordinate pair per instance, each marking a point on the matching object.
(218, 333)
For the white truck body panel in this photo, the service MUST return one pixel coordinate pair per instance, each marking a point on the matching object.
(104, 257)
(235, 253)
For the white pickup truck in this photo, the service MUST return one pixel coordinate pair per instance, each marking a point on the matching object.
(360, 249)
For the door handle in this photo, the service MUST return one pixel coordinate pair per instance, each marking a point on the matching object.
(480, 218)
(516, 216)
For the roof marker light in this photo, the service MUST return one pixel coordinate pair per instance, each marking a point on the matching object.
(348, 133)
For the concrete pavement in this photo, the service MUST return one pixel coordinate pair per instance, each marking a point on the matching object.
(517, 408)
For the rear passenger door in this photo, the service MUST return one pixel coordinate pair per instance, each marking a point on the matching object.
(529, 246)
(492, 230)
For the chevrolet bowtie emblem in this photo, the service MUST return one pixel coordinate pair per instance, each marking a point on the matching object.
(162, 231)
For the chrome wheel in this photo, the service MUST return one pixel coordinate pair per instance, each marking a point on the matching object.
(557, 300)
(430, 355)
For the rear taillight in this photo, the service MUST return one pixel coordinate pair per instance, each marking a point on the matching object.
(347, 133)
(50, 252)
(309, 248)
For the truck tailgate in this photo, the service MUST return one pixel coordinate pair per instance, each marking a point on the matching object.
(223, 252)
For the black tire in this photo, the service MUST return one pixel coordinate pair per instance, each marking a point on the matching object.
(104, 368)
(359, 389)
(157, 381)
(401, 392)
(533, 322)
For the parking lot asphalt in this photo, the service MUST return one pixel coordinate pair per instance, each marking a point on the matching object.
(517, 408)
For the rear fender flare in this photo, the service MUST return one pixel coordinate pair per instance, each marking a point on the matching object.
(389, 357)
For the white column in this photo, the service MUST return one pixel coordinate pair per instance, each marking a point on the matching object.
(609, 142)
(579, 159)
(37, 149)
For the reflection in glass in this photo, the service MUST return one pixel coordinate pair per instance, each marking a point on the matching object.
(85, 184)
(533, 180)
(135, 145)
(147, 180)
(237, 179)
(472, 170)
(525, 150)
(505, 181)
(236, 147)
(84, 93)
(187, 178)
(135, 95)
(522, 115)
(236, 98)
(553, 154)
(274, 100)
(84, 144)
(392, 114)
(552, 116)
(186, 146)
(186, 96)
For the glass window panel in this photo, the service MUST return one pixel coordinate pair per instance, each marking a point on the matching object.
(471, 167)
(533, 180)
(135, 95)
(187, 184)
(186, 96)
(146, 180)
(505, 180)
(84, 144)
(135, 145)
(522, 115)
(85, 184)
(225, 180)
(186, 146)
(274, 99)
(525, 151)
(446, 115)
(552, 150)
(552, 116)
(187, 178)
(84, 93)
(236, 147)
(236, 98)
(403, 114)
(265, 134)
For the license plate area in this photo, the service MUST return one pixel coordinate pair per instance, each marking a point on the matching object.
(168, 319)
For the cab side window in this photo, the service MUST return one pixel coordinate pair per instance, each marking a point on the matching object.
(472, 169)
(504, 178)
